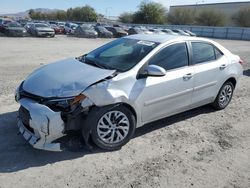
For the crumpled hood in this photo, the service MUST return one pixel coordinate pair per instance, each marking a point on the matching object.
(65, 78)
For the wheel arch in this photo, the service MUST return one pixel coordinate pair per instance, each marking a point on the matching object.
(232, 80)
(129, 107)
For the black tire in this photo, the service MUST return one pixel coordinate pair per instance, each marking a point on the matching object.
(36, 34)
(217, 104)
(7, 33)
(96, 114)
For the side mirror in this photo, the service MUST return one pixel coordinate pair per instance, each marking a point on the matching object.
(154, 70)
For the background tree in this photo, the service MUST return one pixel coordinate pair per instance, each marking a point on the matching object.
(242, 17)
(84, 14)
(210, 18)
(61, 15)
(88, 14)
(181, 16)
(150, 13)
(31, 12)
(126, 17)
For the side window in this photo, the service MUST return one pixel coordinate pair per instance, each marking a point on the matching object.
(218, 54)
(202, 52)
(171, 57)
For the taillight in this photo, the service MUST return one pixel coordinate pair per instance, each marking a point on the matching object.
(241, 61)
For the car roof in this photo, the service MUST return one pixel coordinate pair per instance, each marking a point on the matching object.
(157, 37)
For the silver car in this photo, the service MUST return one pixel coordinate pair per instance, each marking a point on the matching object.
(41, 30)
(122, 85)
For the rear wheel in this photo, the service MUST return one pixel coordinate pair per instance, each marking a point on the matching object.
(224, 96)
(111, 127)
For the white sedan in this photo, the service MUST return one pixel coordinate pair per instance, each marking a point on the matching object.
(122, 85)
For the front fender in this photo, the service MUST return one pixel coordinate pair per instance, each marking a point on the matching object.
(109, 92)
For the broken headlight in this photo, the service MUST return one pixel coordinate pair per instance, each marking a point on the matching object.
(64, 104)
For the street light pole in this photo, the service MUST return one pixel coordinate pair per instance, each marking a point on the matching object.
(106, 11)
(196, 4)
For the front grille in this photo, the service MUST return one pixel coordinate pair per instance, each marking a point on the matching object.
(24, 115)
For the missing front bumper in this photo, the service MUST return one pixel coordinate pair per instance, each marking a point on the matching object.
(44, 125)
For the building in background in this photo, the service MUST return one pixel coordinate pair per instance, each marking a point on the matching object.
(229, 9)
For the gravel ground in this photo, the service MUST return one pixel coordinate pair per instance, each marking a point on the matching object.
(198, 148)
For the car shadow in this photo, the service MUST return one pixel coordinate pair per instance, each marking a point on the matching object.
(147, 128)
(17, 154)
(246, 72)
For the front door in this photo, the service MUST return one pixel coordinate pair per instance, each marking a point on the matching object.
(170, 94)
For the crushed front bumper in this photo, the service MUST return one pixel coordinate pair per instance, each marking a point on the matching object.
(41, 126)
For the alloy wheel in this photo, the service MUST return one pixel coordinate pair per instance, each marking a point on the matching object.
(225, 95)
(113, 127)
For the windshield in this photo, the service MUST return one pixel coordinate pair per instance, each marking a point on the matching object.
(13, 24)
(118, 29)
(101, 29)
(86, 27)
(121, 54)
(41, 25)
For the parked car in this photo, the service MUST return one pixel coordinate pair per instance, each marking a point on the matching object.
(14, 29)
(157, 31)
(117, 31)
(169, 31)
(122, 85)
(180, 32)
(3, 23)
(57, 29)
(52, 22)
(137, 30)
(86, 31)
(103, 32)
(28, 26)
(134, 30)
(70, 28)
(102, 24)
(61, 24)
(190, 33)
(41, 30)
(123, 27)
(146, 31)
(23, 22)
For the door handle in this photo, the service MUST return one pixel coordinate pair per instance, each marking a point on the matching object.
(223, 66)
(188, 76)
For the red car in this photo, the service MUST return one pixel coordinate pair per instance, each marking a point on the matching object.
(58, 29)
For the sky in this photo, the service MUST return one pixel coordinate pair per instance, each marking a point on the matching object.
(105, 7)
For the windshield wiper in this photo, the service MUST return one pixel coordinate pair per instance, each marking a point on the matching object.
(93, 62)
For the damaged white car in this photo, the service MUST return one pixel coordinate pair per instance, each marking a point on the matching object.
(122, 85)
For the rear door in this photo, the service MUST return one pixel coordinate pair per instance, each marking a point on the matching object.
(210, 67)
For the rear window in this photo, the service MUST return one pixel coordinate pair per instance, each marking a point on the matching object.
(202, 52)
(218, 53)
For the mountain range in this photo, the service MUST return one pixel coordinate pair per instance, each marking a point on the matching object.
(26, 13)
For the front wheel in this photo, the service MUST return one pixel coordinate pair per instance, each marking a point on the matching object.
(111, 126)
(224, 96)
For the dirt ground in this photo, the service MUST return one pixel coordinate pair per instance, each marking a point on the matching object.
(200, 148)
